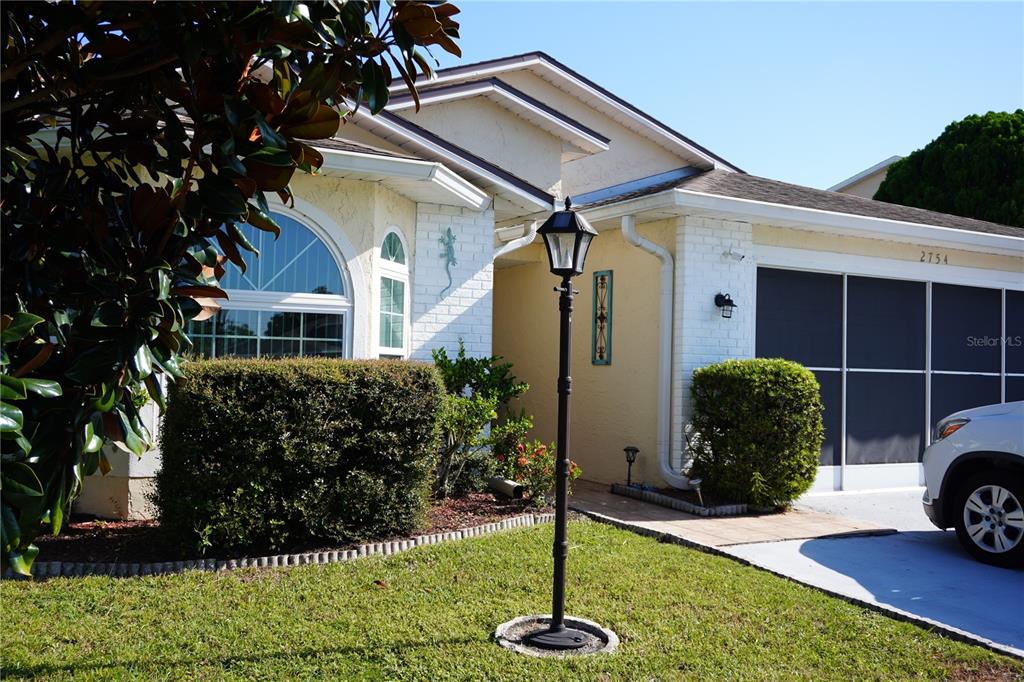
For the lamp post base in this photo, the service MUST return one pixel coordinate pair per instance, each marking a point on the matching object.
(532, 636)
(558, 640)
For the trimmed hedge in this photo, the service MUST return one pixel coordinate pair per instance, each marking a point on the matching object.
(758, 430)
(266, 454)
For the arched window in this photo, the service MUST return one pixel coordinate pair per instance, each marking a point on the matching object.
(293, 299)
(393, 312)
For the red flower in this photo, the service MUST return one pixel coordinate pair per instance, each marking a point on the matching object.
(521, 461)
(501, 458)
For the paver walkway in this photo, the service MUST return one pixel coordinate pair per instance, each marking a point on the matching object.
(796, 524)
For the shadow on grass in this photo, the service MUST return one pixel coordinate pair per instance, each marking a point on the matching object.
(368, 655)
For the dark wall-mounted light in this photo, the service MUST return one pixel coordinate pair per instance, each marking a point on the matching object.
(725, 304)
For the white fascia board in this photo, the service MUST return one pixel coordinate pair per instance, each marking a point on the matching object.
(466, 193)
(533, 61)
(846, 223)
(509, 100)
(457, 160)
(683, 202)
(864, 173)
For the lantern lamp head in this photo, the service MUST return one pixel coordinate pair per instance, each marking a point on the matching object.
(567, 236)
(725, 304)
(631, 452)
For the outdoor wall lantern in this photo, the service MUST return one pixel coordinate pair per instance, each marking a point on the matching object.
(631, 452)
(567, 236)
(725, 304)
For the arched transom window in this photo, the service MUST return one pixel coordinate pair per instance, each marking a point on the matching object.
(293, 299)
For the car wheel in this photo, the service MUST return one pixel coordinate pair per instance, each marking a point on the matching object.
(989, 517)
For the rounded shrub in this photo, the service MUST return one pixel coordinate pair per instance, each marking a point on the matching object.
(267, 454)
(757, 430)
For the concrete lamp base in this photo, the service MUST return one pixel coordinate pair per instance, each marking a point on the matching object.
(520, 634)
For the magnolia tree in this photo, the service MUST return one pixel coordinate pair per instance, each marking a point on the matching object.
(136, 137)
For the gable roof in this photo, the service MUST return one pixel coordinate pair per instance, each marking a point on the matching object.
(405, 134)
(853, 179)
(754, 188)
(515, 100)
(564, 78)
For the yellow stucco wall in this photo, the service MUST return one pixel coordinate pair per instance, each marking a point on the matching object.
(867, 186)
(612, 405)
(820, 241)
(630, 155)
(497, 135)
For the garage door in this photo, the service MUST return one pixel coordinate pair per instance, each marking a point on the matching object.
(892, 356)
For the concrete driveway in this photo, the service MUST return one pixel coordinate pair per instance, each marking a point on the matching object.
(920, 571)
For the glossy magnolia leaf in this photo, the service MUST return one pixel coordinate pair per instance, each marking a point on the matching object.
(155, 391)
(9, 528)
(92, 440)
(419, 21)
(143, 362)
(18, 326)
(262, 221)
(323, 123)
(46, 388)
(12, 388)
(375, 89)
(21, 562)
(18, 478)
(11, 418)
(270, 178)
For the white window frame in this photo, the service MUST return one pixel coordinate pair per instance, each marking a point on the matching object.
(400, 273)
(300, 302)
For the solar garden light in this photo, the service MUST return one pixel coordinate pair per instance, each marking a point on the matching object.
(725, 303)
(567, 236)
(631, 452)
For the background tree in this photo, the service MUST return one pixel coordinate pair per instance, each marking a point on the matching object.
(975, 168)
(136, 137)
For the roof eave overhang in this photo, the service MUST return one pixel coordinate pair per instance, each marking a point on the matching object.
(681, 202)
(440, 184)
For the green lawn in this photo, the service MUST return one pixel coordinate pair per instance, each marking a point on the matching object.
(428, 614)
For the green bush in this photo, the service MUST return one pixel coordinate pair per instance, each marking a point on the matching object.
(758, 430)
(266, 454)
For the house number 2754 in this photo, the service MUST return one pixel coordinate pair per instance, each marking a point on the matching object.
(935, 257)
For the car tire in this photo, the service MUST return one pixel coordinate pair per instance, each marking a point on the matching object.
(988, 513)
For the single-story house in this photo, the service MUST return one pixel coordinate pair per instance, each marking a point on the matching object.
(421, 231)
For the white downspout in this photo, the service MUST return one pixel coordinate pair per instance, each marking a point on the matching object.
(671, 476)
(518, 242)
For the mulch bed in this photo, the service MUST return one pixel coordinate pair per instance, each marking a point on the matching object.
(89, 539)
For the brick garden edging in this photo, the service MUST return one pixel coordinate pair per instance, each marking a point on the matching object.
(55, 569)
(677, 504)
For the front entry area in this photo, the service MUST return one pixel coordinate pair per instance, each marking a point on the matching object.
(893, 356)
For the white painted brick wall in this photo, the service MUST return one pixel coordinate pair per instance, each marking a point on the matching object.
(702, 335)
(464, 311)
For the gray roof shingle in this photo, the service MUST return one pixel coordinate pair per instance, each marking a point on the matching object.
(744, 186)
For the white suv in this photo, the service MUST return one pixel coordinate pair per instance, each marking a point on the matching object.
(974, 472)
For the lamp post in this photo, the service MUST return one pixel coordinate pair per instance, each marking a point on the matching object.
(567, 236)
(631, 453)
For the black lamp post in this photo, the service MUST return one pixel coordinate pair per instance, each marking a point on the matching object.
(567, 236)
(631, 452)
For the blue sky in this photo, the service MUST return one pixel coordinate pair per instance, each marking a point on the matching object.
(809, 93)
